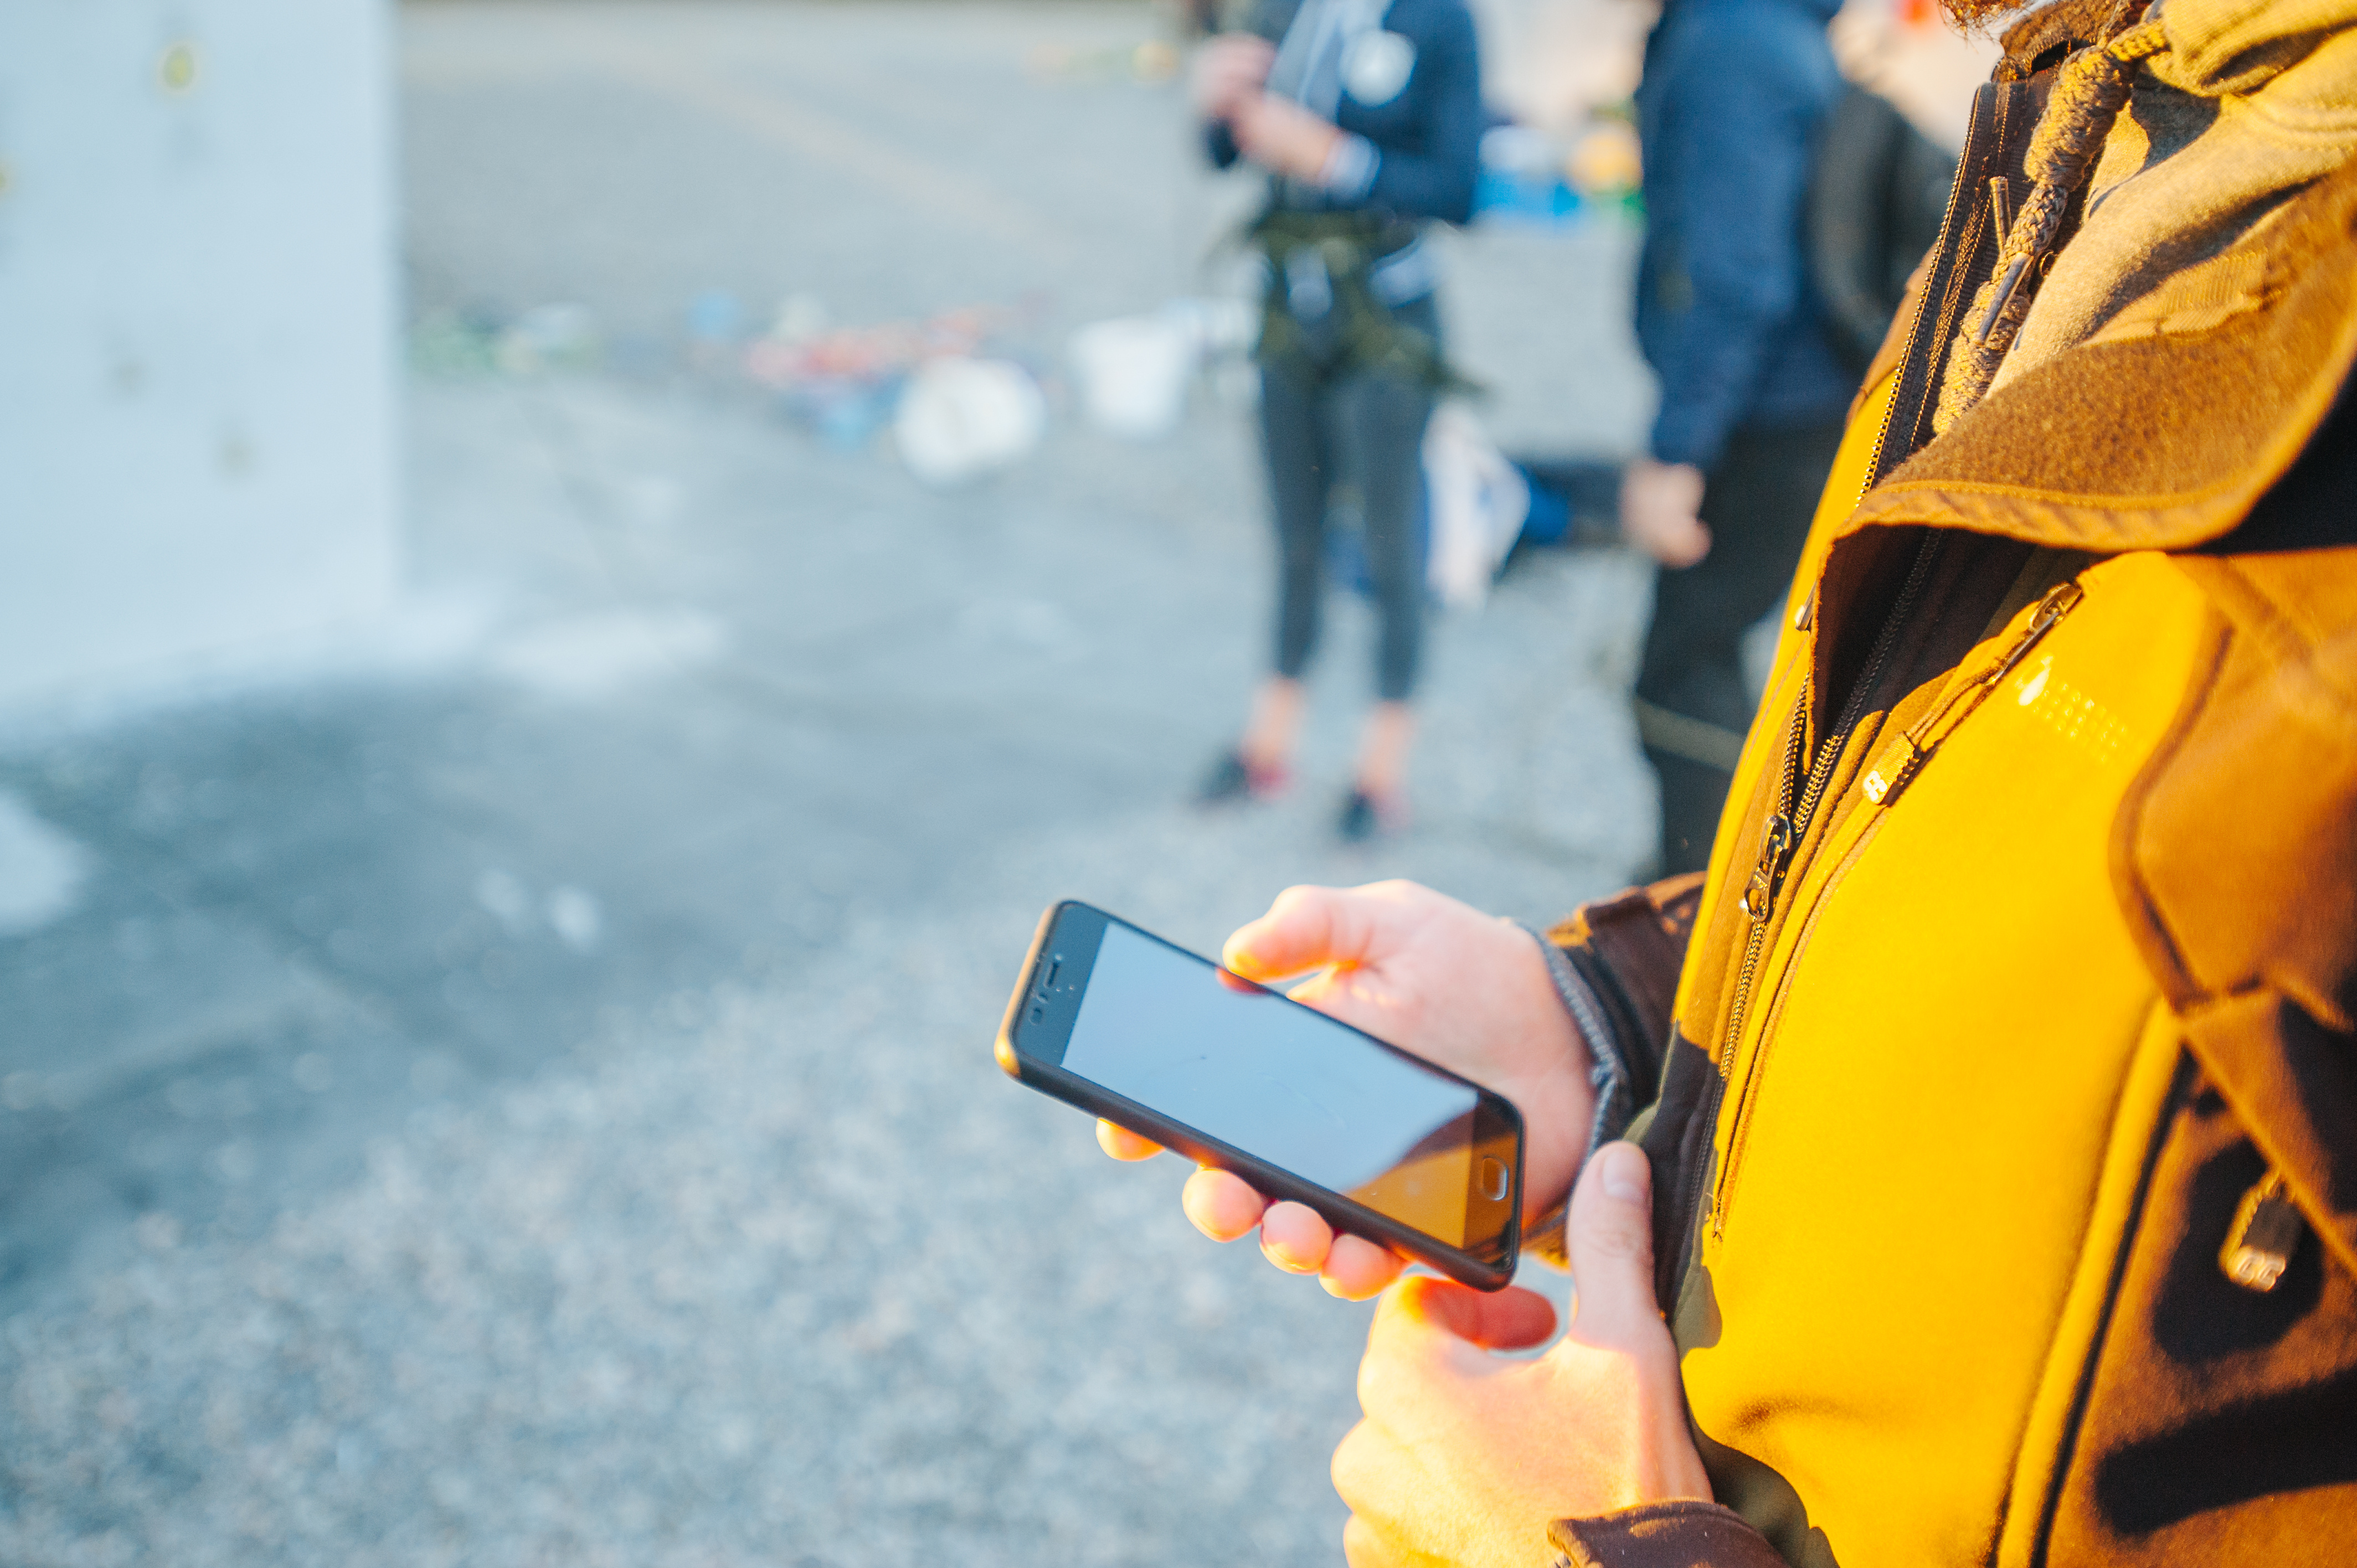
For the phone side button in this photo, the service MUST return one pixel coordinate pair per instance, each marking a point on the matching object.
(1495, 1177)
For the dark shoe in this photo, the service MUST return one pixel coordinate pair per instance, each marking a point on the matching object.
(1365, 818)
(1232, 778)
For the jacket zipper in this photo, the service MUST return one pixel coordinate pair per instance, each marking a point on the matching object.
(1787, 825)
(1924, 308)
(1760, 896)
(1959, 227)
(1891, 772)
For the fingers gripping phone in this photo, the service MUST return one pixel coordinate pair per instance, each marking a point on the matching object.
(1380, 1142)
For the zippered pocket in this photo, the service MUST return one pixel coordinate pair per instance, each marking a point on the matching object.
(1894, 767)
(1788, 825)
(1722, 1203)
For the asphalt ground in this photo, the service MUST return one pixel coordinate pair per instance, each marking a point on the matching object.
(522, 1093)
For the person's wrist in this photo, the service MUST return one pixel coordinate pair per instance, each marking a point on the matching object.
(1558, 1109)
(1556, 1094)
(1349, 166)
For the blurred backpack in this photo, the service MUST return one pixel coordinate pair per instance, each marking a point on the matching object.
(1878, 194)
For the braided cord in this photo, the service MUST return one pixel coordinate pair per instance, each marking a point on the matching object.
(2089, 93)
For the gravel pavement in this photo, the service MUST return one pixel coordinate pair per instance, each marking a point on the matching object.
(784, 1276)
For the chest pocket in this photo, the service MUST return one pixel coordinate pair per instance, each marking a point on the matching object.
(1914, 1131)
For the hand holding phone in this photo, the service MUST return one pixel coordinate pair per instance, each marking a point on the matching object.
(1457, 987)
(1452, 986)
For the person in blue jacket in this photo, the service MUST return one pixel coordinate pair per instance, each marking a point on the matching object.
(1752, 394)
(1367, 118)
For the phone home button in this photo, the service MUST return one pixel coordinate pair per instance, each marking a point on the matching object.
(1493, 1178)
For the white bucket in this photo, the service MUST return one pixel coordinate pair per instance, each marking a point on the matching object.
(1133, 372)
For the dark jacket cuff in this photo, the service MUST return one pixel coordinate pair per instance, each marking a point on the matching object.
(1615, 966)
(1628, 951)
(1681, 1533)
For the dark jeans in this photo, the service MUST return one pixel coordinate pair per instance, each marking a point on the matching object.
(1692, 705)
(1332, 438)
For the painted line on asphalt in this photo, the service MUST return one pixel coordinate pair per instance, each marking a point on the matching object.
(825, 139)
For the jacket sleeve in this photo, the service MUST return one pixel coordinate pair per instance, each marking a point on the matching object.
(1615, 965)
(1624, 953)
(1734, 148)
(1682, 1534)
(1439, 177)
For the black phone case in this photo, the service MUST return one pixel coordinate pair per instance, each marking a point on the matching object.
(1337, 1210)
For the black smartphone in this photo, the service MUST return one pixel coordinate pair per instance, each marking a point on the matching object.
(1166, 1043)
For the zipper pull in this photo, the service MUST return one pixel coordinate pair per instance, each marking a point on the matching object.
(1759, 897)
(2059, 601)
(1901, 760)
(2265, 1232)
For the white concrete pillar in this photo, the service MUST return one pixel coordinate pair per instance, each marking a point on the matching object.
(198, 332)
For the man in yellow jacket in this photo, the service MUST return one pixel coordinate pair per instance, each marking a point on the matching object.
(1996, 1086)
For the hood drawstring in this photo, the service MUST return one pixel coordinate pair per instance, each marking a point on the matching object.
(2089, 93)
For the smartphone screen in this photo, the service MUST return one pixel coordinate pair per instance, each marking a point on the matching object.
(1133, 1015)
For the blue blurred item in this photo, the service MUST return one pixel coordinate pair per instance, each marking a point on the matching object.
(1546, 203)
(845, 411)
(716, 315)
(1549, 519)
(1574, 500)
(1521, 178)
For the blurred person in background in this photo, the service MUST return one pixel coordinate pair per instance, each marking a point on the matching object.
(1368, 120)
(1753, 393)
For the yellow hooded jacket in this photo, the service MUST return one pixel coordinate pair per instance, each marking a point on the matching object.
(2006, 1135)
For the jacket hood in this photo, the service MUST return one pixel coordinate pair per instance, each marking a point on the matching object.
(2194, 329)
(2219, 46)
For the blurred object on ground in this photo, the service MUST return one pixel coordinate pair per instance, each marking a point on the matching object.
(1554, 179)
(1133, 370)
(41, 870)
(196, 299)
(1575, 500)
(715, 329)
(959, 418)
(561, 337)
(1523, 179)
(1606, 162)
(1479, 502)
(845, 383)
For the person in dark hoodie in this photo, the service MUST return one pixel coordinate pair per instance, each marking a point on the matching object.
(1753, 393)
(1368, 120)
